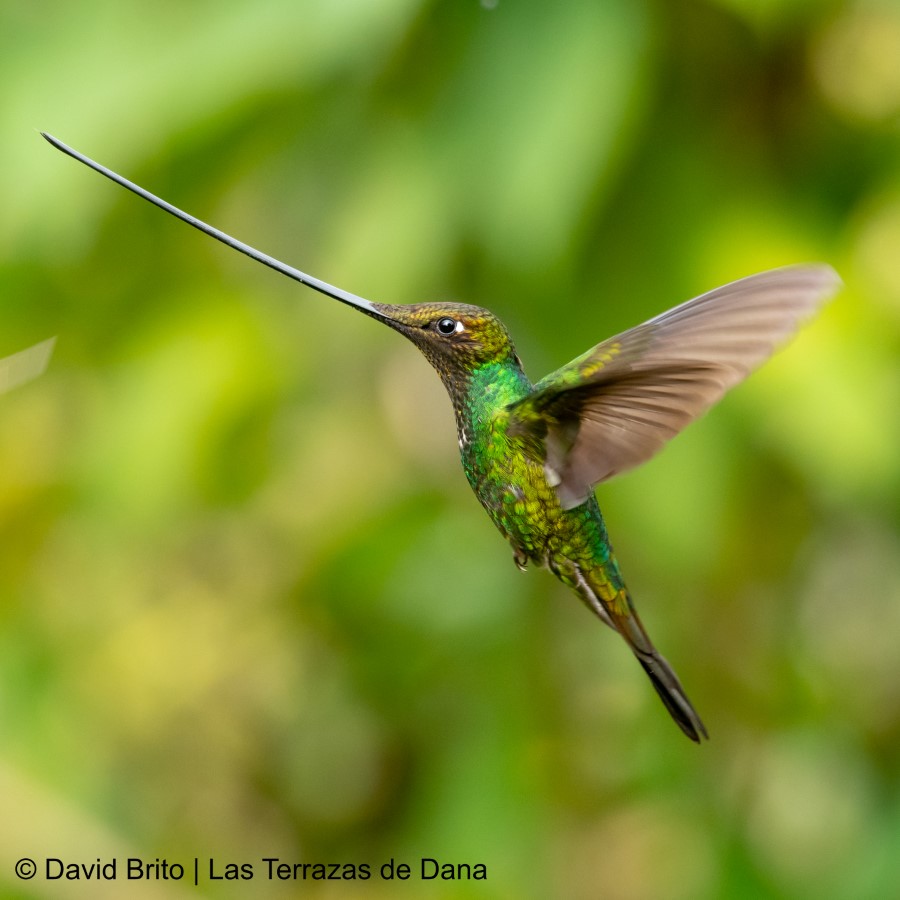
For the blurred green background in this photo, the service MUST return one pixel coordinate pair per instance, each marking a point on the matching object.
(249, 606)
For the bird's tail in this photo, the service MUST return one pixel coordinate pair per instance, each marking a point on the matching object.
(672, 694)
(613, 604)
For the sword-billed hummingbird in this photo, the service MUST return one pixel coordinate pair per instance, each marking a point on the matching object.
(533, 452)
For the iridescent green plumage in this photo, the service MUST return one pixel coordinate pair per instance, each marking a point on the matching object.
(505, 467)
(533, 453)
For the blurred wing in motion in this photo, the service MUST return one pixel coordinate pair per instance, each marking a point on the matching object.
(20, 368)
(616, 405)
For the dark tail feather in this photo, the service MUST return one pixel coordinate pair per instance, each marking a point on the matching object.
(622, 617)
(672, 694)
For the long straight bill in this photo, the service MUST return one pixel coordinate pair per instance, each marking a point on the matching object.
(316, 284)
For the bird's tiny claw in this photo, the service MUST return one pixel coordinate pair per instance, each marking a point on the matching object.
(520, 558)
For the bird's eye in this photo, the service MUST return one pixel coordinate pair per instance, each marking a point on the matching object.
(446, 326)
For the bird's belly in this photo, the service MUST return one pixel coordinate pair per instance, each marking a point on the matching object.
(523, 506)
(526, 509)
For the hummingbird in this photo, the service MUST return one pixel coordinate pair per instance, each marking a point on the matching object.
(533, 453)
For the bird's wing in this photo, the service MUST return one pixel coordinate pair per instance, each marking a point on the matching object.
(616, 405)
(20, 368)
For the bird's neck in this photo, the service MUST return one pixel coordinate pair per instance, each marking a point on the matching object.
(479, 393)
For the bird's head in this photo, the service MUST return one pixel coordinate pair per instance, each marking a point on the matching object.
(455, 338)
